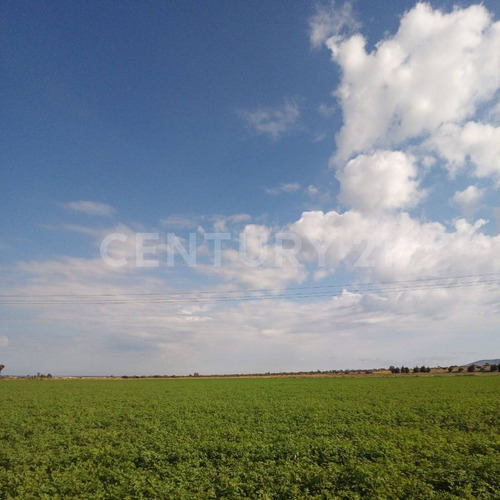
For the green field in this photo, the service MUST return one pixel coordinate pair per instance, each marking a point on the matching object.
(399, 437)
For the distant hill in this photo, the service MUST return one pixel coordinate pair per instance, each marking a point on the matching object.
(483, 362)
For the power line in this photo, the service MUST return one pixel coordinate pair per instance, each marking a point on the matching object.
(190, 299)
(427, 286)
(248, 290)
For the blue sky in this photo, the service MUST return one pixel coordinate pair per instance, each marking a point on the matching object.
(316, 119)
(129, 103)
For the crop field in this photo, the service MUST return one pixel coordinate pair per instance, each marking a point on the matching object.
(283, 438)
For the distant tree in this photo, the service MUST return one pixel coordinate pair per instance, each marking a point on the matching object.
(416, 369)
(392, 369)
(450, 369)
(1, 368)
(493, 367)
(460, 369)
(396, 370)
(423, 369)
(407, 370)
(428, 369)
(471, 368)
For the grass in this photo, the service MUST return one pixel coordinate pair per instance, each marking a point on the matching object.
(285, 438)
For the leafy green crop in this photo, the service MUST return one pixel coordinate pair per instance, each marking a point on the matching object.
(324, 438)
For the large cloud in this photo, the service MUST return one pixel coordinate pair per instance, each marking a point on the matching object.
(438, 68)
(396, 246)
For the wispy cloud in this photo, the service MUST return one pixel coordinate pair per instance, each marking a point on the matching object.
(90, 208)
(326, 111)
(77, 228)
(319, 137)
(330, 20)
(312, 190)
(290, 187)
(222, 223)
(273, 122)
(181, 221)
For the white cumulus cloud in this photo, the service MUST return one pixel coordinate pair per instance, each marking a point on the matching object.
(384, 180)
(392, 246)
(477, 143)
(438, 68)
